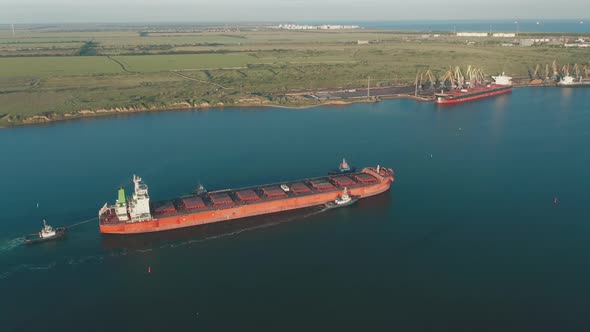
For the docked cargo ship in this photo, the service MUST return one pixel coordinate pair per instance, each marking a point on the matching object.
(571, 82)
(502, 84)
(136, 214)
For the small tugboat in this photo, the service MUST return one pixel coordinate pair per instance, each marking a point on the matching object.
(47, 233)
(343, 168)
(343, 200)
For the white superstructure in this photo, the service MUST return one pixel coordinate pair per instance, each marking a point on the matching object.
(572, 81)
(134, 208)
(567, 80)
(502, 79)
(344, 199)
(139, 205)
(47, 231)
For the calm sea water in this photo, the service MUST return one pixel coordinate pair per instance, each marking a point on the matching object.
(572, 26)
(466, 240)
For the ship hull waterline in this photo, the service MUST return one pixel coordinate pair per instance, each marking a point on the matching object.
(240, 211)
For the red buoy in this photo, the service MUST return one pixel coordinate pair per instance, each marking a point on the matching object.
(555, 201)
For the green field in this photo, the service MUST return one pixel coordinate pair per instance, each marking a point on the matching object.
(43, 73)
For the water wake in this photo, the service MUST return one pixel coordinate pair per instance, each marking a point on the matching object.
(243, 230)
(99, 259)
(26, 267)
(11, 244)
(16, 242)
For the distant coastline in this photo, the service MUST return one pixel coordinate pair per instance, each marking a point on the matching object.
(581, 25)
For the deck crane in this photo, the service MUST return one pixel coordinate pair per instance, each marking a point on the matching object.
(547, 75)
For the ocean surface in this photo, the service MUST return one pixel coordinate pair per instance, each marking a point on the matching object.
(468, 238)
(528, 25)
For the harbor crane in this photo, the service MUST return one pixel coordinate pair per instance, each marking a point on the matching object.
(565, 70)
(431, 79)
(459, 78)
(536, 72)
(577, 70)
(555, 70)
(448, 76)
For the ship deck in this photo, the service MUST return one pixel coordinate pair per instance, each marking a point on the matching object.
(477, 90)
(227, 198)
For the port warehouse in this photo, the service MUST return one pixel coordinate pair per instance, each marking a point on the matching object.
(231, 197)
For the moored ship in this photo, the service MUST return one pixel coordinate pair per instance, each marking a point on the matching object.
(136, 214)
(502, 84)
(570, 82)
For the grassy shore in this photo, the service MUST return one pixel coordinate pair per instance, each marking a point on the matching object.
(54, 73)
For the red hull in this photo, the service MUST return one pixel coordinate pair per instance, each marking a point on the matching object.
(264, 205)
(460, 98)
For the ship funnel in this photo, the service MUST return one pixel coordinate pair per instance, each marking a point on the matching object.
(121, 199)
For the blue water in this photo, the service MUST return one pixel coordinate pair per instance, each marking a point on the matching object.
(571, 26)
(466, 240)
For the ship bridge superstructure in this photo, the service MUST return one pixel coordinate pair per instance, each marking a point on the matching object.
(130, 209)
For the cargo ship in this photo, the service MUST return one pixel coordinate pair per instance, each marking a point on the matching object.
(571, 82)
(136, 214)
(502, 84)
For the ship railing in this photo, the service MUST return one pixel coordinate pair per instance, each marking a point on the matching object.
(104, 209)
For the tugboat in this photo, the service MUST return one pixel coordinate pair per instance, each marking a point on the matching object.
(343, 168)
(200, 190)
(343, 200)
(47, 233)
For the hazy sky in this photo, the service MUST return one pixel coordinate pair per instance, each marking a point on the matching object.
(69, 11)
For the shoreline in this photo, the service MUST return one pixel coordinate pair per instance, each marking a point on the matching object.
(101, 113)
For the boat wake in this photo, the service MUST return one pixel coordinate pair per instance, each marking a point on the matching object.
(17, 242)
(11, 244)
(243, 230)
(26, 267)
(101, 258)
